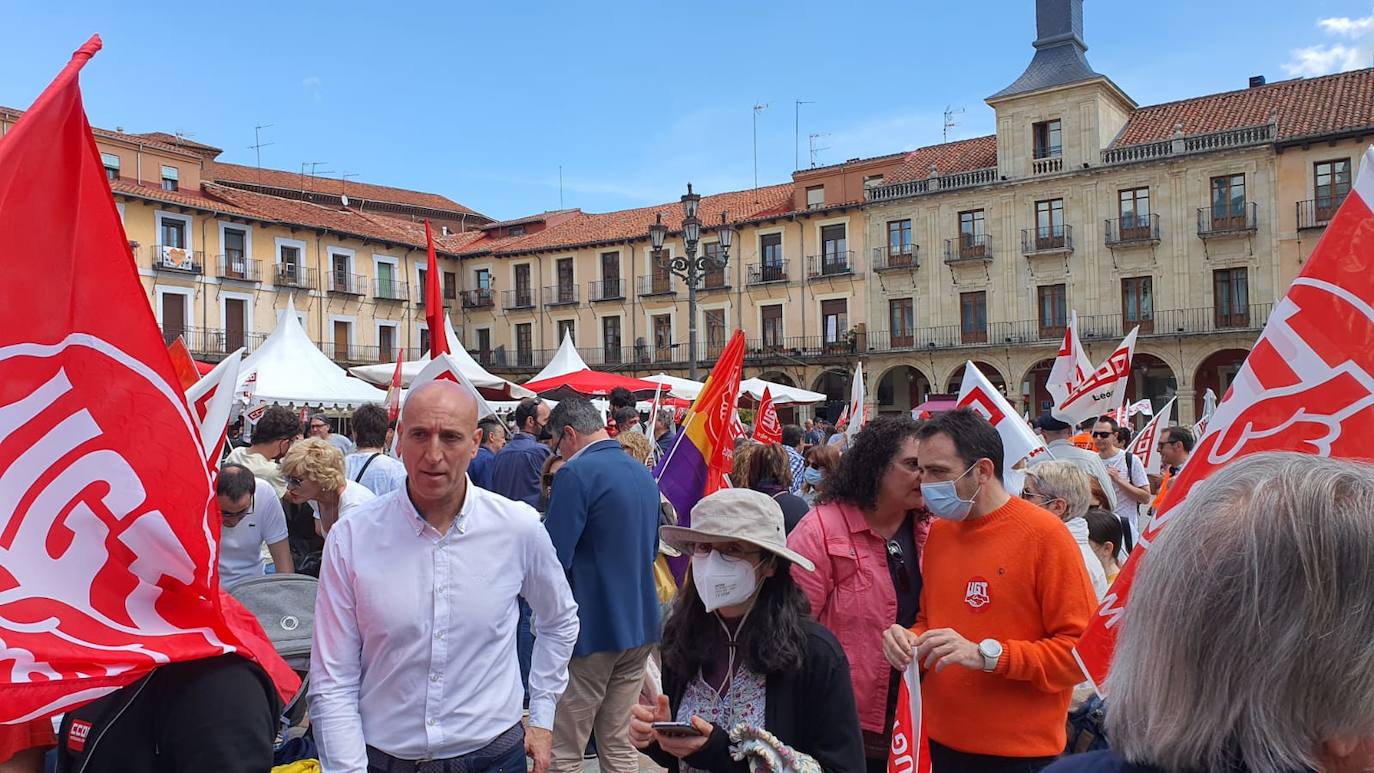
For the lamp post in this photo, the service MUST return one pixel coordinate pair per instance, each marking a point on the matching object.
(690, 267)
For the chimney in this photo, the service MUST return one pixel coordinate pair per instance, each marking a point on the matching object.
(1256, 80)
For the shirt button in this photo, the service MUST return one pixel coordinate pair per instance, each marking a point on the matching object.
(439, 635)
(433, 677)
(431, 723)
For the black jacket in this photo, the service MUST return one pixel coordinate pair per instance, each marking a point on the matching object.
(811, 710)
(215, 714)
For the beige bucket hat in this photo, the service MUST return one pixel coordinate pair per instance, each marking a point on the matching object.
(737, 515)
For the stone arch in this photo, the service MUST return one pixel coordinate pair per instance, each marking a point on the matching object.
(1151, 378)
(1216, 372)
(992, 372)
(901, 388)
(1034, 389)
(787, 414)
(834, 384)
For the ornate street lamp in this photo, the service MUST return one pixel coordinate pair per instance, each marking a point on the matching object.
(688, 266)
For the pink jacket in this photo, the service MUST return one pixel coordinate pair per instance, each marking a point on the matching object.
(851, 593)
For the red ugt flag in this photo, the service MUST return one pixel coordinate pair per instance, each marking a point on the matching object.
(767, 428)
(1307, 386)
(434, 303)
(910, 750)
(108, 550)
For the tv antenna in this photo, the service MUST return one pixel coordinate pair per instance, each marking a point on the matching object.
(759, 107)
(949, 120)
(258, 145)
(815, 149)
(796, 132)
(313, 166)
(343, 186)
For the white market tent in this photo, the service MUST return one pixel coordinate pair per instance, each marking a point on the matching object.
(781, 393)
(291, 370)
(566, 360)
(489, 385)
(684, 388)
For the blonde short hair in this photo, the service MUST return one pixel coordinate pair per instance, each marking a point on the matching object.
(317, 461)
(1063, 480)
(636, 444)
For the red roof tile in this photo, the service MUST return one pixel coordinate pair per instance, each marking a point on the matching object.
(181, 142)
(236, 174)
(184, 198)
(948, 158)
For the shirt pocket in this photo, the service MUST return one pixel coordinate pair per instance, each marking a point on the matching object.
(846, 569)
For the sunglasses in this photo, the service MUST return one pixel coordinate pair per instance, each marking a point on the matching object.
(895, 560)
(293, 482)
(1103, 434)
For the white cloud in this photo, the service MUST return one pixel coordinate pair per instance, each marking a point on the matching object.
(1322, 59)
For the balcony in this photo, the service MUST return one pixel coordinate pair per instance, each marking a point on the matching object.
(656, 284)
(390, 290)
(561, 295)
(767, 272)
(1219, 222)
(213, 343)
(906, 257)
(235, 267)
(519, 298)
(1047, 240)
(345, 353)
(924, 185)
(712, 281)
(1316, 213)
(969, 248)
(480, 298)
(294, 275)
(839, 263)
(449, 295)
(176, 259)
(1198, 143)
(1131, 231)
(1050, 164)
(606, 290)
(343, 283)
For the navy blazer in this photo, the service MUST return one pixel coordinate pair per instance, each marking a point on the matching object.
(603, 518)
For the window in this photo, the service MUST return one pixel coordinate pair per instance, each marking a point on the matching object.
(387, 286)
(1054, 310)
(772, 327)
(610, 339)
(524, 344)
(169, 178)
(663, 337)
(289, 266)
(1330, 184)
(770, 253)
(235, 264)
(450, 286)
(901, 314)
(484, 345)
(516, 230)
(523, 296)
(111, 163)
(714, 320)
(1049, 224)
(815, 197)
(1138, 303)
(715, 270)
(610, 277)
(973, 317)
(1228, 202)
(481, 278)
(662, 280)
(386, 343)
(1046, 135)
(424, 340)
(972, 241)
(343, 337)
(567, 328)
(421, 285)
(1133, 205)
(834, 250)
(835, 323)
(899, 243)
(342, 281)
(173, 315)
(1231, 297)
(173, 233)
(566, 291)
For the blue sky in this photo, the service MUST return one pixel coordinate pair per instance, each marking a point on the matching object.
(632, 99)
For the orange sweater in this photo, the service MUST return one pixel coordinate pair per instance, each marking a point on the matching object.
(1015, 575)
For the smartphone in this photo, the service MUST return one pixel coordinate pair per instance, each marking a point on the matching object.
(676, 729)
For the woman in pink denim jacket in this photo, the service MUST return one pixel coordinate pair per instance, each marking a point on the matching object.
(866, 536)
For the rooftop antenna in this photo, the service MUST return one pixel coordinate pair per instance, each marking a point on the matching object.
(949, 120)
(181, 135)
(343, 186)
(796, 133)
(560, 186)
(811, 138)
(313, 166)
(258, 145)
(758, 108)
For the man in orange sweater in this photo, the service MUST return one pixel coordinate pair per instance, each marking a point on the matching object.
(1003, 601)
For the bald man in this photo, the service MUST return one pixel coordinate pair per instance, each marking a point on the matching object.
(414, 654)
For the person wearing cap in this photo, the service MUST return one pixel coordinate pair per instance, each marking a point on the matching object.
(742, 648)
(1059, 446)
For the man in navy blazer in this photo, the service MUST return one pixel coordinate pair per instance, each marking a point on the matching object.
(603, 518)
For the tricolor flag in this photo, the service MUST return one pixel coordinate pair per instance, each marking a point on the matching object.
(1307, 386)
(910, 751)
(1018, 441)
(1102, 391)
(767, 428)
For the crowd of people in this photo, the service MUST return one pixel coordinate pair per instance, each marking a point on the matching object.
(517, 591)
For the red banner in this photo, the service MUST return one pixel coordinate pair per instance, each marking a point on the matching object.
(393, 394)
(910, 751)
(434, 302)
(1307, 386)
(767, 428)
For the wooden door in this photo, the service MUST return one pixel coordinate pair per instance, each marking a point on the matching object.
(234, 319)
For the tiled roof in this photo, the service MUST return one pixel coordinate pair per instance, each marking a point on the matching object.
(551, 215)
(11, 113)
(183, 198)
(1305, 106)
(950, 157)
(182, 142)
(236, 174)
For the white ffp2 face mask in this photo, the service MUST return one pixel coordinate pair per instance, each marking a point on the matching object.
(721, 581)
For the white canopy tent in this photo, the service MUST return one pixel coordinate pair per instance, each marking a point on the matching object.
(565, 360)
(291, 370)
(489, 385)
(781, 393)
(684, 388)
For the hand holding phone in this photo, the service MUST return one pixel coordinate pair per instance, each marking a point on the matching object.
(676, 729)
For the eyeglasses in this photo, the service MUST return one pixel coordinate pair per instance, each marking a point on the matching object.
(1164, 443)
(240, 514)
(293, 482)
(1102, 434)
(318, 426)
(897, 562)
(1044, 499)
(733, 550)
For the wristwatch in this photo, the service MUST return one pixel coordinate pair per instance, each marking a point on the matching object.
(991, 650)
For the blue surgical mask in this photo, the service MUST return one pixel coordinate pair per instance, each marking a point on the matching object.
(811, 476)
(942, 499)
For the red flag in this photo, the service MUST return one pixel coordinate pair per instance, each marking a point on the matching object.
(843, 422)
(1307, 386)
(767, 428)
(434, 303)
(182, 363)
(393, 394)
(910, 750)
(108, 554)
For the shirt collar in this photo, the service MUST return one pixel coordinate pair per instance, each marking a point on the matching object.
(464, 509)
(583, 449)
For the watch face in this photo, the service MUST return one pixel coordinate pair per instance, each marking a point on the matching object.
(990, 648)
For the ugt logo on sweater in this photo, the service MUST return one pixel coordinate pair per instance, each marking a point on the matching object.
(977, 594)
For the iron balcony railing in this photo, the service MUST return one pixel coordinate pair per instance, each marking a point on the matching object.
(1049, 238)
(519, 298)
(656, 284)
(236, 267)
(560, 294)
(1217, 221)
(294, 275)
(840, 263)
(209, 342)
(179, 259)
(768, 271)
(606, 290)
(713, 279)
(344, 283)
(480, 298)
(968, 247)
(1131, 230)
(1316, 213)
(390, 290)
(905, 257)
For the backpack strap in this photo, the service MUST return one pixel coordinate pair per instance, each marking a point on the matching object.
(366, 464)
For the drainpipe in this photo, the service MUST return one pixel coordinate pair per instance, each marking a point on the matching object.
(543, 311)
(138, 164)
(319, 277)
(407, 305)
(801, 271)
(204, 283)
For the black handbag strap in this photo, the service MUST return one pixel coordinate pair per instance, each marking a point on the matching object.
(366, 464)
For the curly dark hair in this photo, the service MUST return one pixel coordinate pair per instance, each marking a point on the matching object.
(277, 423)
(773, 640)
(862, 467)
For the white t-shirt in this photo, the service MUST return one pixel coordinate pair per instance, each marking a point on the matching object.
(1125, 506)
(354, 495)
(383, 475)
(1078, 527)
(240, 547)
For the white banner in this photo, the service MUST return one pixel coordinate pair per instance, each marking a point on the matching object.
(1145, 445)
(1103, 391)
(1018, 441)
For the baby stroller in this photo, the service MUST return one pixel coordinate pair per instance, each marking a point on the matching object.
(284, 605)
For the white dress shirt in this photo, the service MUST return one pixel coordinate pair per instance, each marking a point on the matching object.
(414, 648)
(354, 496)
